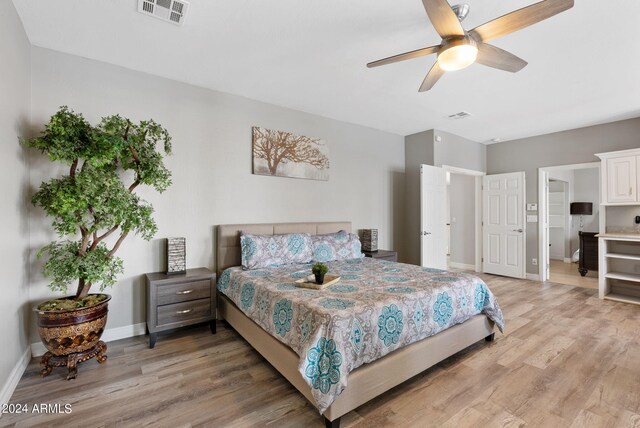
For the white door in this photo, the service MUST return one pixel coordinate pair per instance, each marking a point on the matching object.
(545, 260)
(621, 180)
(433, 217)
(503, 205)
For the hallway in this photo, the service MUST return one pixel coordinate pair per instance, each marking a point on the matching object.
(567, 273)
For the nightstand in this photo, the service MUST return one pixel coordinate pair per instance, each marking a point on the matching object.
(391, 256)
(179, 300)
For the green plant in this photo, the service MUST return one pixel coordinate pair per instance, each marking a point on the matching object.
(92, 200)
(319, 269)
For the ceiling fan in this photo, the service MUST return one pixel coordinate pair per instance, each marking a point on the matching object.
(460, 48)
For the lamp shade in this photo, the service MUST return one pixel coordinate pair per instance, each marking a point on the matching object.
(581, 208)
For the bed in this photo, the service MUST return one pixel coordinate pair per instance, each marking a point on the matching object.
(386, 366)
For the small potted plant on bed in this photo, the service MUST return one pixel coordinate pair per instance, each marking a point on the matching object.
(93, 211)
(319, 270)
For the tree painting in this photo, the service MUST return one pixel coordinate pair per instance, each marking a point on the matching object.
(284, 154)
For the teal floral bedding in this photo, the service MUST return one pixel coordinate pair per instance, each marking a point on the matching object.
(336, 246)
(376, 308)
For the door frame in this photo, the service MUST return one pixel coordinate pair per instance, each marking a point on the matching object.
(543, 178)
(478, 206)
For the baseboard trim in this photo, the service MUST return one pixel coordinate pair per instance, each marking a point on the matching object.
(533, 276)
(464, 266)
(568, 260)
(109, 335)
(15, 376)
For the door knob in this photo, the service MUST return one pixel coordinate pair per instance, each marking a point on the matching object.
(518, 230)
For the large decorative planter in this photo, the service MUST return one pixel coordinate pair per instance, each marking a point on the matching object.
(72, 337)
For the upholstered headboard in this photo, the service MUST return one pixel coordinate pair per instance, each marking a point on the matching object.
(228, 237)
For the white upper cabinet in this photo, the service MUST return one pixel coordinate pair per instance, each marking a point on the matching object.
(620, 178)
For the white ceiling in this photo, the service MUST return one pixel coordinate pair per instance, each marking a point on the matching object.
(584, 64)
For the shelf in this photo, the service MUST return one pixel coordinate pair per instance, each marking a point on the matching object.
(556, 227)
(624, 276)
(611, 236)
(623, 298)
(623, 256)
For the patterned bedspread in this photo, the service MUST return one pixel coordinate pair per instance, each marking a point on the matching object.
(376, 308)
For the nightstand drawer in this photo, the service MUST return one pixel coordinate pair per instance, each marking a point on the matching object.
(180, 300)
(183, 292)
(185, 311)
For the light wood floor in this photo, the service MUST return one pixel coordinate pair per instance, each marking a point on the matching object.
(567, 359)
(567, 273)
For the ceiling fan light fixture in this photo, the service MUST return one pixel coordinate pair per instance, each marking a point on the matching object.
(461, 11)
(458, 54)
(461, 48)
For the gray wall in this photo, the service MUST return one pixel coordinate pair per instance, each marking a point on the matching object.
(422, 148)
(462, 210)
(560, 148)
(454, 150)
(418, 149)
(14, 119)
(586, 185)
(622, 218)
(211, 167)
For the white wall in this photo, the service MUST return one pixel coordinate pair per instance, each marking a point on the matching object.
(558, 236)
(14, 230)
(211, 167)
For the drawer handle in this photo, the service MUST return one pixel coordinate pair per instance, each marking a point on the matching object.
(184, 292)
(186, 311)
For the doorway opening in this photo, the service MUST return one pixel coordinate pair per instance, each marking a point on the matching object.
(499, 232)
(560, 232)
(464, 218)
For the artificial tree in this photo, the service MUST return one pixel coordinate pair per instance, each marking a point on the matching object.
(92, 202)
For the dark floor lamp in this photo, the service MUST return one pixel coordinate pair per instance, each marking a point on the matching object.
(581, 208)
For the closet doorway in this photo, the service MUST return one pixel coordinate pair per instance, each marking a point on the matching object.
(559, 231)
(464, 218)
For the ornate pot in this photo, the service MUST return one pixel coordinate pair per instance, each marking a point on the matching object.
(72, 336)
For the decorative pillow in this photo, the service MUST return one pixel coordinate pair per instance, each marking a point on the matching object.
(260, 251)
(336, 246)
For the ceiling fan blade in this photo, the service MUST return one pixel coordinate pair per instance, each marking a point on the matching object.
(520, 19)
(492, 56)
(443, 18)
(432, 77)
(404, 56)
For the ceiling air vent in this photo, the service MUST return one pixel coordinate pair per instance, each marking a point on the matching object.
(168, 10)
(460, 115)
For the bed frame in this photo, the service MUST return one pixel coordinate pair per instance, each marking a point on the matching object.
(365, 382)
